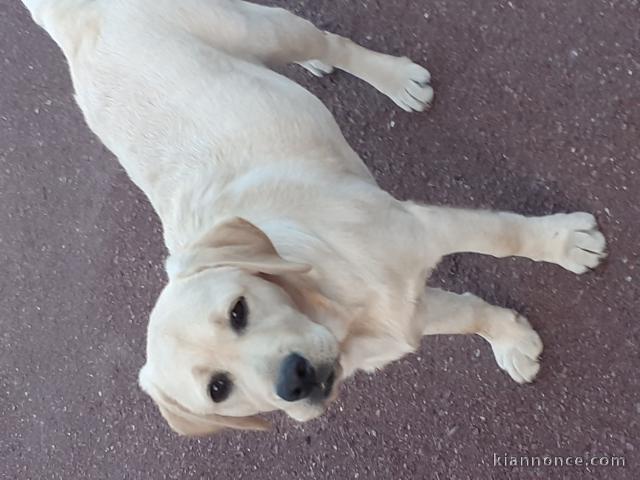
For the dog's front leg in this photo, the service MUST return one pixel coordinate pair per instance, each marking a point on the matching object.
(570, 240)
(515, 344)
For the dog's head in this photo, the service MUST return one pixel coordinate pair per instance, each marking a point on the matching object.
(227, 340)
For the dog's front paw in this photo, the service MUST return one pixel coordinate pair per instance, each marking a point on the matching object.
(575, 241)
(407, 84)
(517, 347)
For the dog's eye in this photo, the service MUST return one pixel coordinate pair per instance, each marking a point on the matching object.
(220, 387)
(238, 315)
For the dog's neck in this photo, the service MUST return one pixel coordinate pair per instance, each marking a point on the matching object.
(191, 202)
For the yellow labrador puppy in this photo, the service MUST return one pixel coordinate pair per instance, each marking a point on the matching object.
(289, 268)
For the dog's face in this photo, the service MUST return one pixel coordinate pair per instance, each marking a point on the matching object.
(227, 341)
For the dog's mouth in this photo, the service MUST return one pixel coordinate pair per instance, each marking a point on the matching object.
(327, 388)
(327, 385)
(299, 381)
(323, 392)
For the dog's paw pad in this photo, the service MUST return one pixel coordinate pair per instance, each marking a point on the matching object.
(517, 350)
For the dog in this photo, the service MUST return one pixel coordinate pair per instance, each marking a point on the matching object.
(288, 267)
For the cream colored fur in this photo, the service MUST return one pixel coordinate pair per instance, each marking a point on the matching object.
(260, 195)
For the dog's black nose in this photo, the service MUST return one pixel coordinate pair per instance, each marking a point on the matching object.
(296, 379)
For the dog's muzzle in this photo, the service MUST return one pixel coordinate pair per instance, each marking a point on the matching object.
(298, 379)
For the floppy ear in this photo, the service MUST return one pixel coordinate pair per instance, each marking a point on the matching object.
(190, 425)
(184, 422)
(233, 243)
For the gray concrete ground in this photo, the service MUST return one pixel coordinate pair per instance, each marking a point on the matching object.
(537, 111)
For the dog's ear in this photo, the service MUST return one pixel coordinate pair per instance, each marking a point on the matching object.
(184, 422)
(233, 243)
(190, 425)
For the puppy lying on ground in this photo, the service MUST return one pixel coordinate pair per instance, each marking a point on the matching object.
(289, 268)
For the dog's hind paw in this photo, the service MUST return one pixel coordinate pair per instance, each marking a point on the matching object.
(407, 84)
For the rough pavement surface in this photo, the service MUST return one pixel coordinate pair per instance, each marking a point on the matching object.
(538, 111)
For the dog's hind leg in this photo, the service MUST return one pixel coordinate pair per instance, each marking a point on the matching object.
(515, 344)
(276, 36)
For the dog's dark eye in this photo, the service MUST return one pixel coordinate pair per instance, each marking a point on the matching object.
(238, 315)
(220, 387)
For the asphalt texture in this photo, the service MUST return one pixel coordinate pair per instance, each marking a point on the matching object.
(537, 111)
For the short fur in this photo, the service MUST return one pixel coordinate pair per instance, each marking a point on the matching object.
(260, 196)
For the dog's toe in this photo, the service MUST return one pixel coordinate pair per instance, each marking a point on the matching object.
(517, 349)
(577, 243)
(407, 84)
